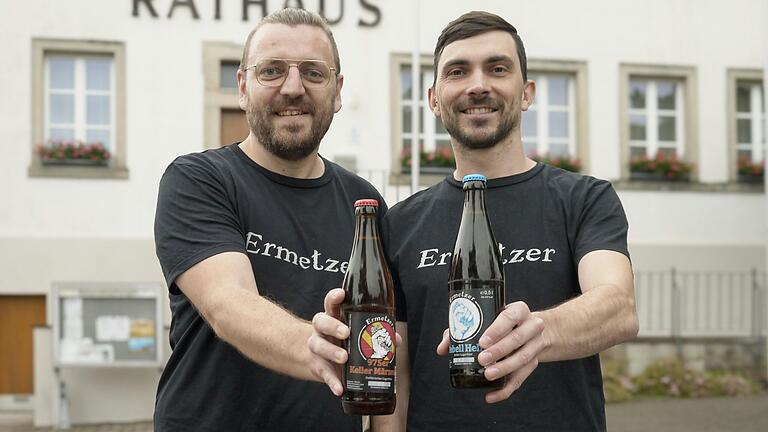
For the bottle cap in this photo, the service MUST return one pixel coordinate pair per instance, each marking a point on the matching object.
(366, 202)
(474, 177)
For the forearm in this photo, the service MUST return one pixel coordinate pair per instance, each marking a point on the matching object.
(224, 292)
(259, 329)
(596, 320)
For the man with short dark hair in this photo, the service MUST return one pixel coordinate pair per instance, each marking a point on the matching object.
(250, 236)
(563, 240)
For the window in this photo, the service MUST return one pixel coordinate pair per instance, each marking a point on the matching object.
(548, 126)
(750, 121)
(746, 125)
(225, 122)
(432, 134)
(658, 114)
(78, 96)
(79, 99)
(655, 117)
(228, 74)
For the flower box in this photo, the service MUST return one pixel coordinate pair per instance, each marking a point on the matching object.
(73, 153)
(74, 162)
(750, 179)
(750, 172)
(659, 168)
(439, 161)
(564, 162)
(657, 176)
(436, 170)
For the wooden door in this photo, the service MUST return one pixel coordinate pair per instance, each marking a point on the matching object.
(234, 126)
(18, 315)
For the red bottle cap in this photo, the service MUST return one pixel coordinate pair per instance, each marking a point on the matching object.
(366, 202)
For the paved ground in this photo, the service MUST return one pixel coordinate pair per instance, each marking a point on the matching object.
(747, 414)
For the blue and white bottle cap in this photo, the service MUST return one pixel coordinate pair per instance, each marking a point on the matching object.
(474, 177)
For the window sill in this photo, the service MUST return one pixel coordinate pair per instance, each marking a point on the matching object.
(688, 186)
(425, 178)
(77, 171)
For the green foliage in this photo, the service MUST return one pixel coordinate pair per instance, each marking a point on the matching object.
(667, 166)
(671, 378)
(747, 168)
(73, 150)
(565, 162)
(616, 386)
(441, 157)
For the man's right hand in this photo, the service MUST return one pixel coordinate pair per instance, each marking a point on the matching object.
(325, 342)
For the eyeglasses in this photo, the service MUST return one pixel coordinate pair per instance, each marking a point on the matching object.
(272, 72)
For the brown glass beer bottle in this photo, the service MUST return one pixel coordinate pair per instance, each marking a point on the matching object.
(369, 311)
(475, 288)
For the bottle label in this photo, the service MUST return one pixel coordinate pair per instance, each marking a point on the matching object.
(470, 313)
(371, 365)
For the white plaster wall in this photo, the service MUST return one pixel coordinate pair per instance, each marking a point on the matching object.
(695, 218)
(164, 107)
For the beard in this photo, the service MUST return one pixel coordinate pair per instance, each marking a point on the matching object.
(289, 142)
(478, 134)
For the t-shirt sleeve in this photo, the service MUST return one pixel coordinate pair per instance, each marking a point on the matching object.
(195, 219)
(401, 311)
(601, 222)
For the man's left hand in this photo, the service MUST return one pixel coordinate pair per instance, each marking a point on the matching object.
(511, 346)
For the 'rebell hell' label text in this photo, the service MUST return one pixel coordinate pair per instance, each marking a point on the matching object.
(371, 365)
(470, 313)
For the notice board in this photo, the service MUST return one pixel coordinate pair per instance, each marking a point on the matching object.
(107, 324)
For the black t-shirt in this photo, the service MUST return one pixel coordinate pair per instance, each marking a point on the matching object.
(297, 234)
(545, 220)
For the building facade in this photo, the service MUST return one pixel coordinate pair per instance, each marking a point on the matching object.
(147, 80)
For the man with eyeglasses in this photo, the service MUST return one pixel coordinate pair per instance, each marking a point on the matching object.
(250, 237)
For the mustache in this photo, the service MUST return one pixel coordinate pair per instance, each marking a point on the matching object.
(475, 101)
(294, 103)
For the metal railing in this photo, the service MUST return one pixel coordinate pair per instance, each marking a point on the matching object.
(701, 304)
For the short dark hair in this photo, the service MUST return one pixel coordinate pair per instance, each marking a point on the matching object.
(294, 17)
(472, 24)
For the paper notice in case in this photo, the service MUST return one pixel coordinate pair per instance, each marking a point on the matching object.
(73, 318)
(85, 351)
(113, 328)
(142, 328)
(142, 335)
(141, 344)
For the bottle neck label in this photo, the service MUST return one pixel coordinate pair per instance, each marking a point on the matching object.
(371, 349)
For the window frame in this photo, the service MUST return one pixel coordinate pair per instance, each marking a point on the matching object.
(41, 50)
(217, 97)
(687, 108)
(579, 118)
(734, 77)
(397, 61)
(542, 107)
(652, 112)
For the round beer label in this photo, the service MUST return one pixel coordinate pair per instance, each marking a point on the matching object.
(465, 319)
(377, 341)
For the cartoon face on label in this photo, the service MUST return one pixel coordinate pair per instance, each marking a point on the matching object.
(464, 319)
(376, 341)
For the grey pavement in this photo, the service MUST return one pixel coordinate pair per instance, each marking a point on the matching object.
(742, 414)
